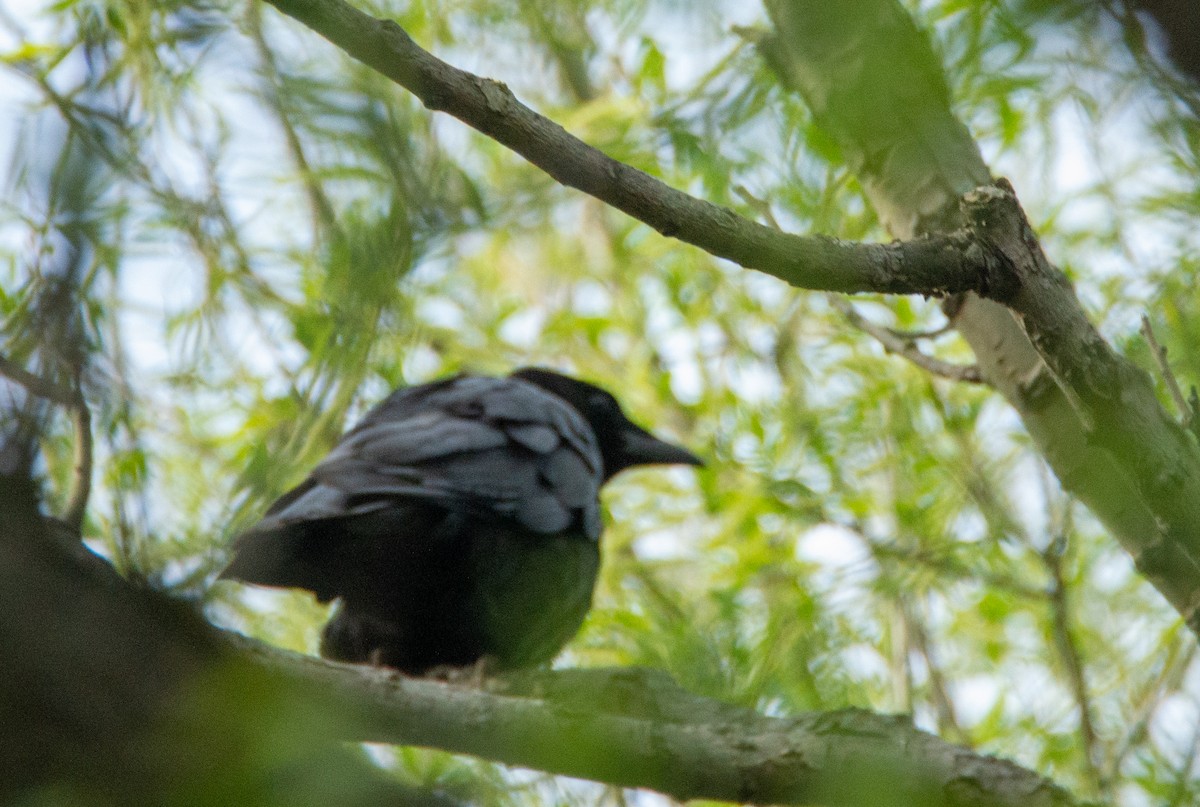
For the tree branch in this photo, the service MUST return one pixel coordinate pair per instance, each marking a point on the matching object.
(182, 719)
(81, 422)
(324, 217)
(876, 86)
(41, 387)
(1179, 20)
(936, 265)
(1119, 408)
(81, 485)
(1159, 352)
(1068, 651)
(637, 728)
(177, 699)
(900, 345)
(948, 723)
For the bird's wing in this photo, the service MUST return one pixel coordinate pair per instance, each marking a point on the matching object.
(489, 447)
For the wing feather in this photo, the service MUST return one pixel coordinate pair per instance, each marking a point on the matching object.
(479, 445)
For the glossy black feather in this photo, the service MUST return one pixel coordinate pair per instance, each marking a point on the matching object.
(459, 519)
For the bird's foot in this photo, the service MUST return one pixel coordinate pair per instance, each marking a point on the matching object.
(473, 675)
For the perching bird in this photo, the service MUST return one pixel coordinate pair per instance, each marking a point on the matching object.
(459, 522)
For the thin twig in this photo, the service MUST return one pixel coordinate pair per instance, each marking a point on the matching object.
(324, 218)
(762, 206)
(947, 717)
(901, 671)
(81, 420)
(36, 384)
(902, 347)
(914, 336)
(1183, 777)
(81, 483)
(1149, 697)
(569, 57)
(1164, 367)
(1069, 653)
(949, 567)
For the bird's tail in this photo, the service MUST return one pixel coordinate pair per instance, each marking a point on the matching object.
(277, 557)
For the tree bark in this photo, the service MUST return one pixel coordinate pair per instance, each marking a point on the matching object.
(873, 82)
(117, 695)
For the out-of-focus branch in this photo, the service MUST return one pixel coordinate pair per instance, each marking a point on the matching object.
(81, 485)
(1180, 23)
(947, 716)
(324, 218)
(1176, 664)
(41, 387)
(81, 421)
(1068, 650)
(183, 719)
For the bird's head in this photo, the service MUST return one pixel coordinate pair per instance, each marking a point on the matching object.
(622, 442)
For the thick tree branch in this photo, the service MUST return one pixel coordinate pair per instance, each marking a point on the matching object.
(637, 728)
(115, 695)
(176, 700)
(931, 266)
(1120, 410)
(875, 84)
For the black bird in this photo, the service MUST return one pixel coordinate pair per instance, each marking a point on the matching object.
(458, 522)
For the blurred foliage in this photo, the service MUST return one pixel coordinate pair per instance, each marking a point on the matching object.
(277, 236)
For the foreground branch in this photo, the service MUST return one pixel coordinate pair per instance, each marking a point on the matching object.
(185, 709)
(936, 265)
(637, 728)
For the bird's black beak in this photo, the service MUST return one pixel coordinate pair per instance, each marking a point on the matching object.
(640, 447)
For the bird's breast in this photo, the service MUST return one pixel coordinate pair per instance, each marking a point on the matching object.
(531, 593)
